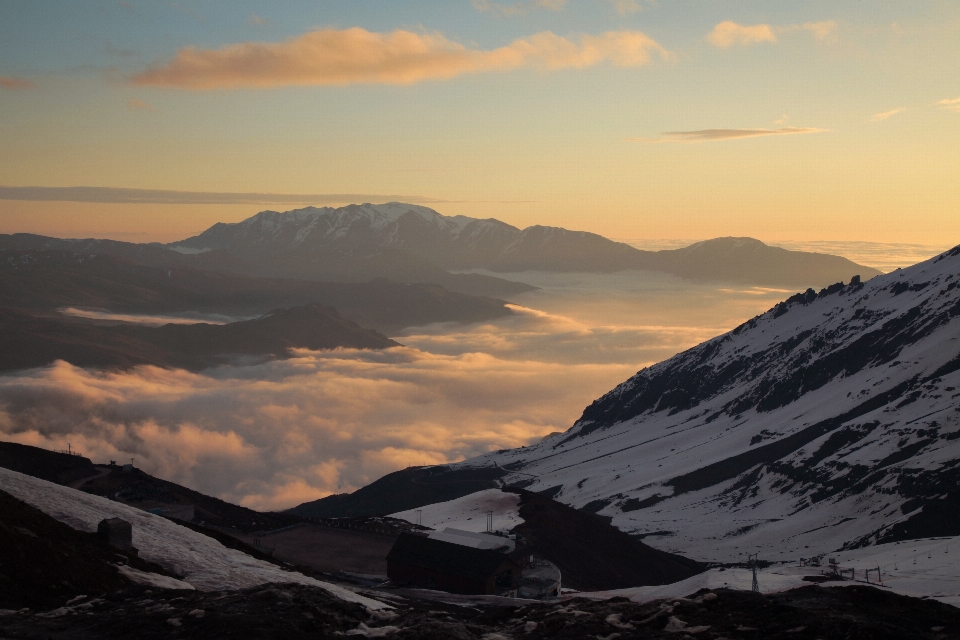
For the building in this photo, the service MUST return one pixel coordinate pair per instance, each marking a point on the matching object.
(436, 563)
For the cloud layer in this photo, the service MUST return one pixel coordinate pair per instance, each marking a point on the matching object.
(712, 135)
(352, 56)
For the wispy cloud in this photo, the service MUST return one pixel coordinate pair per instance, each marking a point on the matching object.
(880, 117)
(728, 33)
(256, 21)
(14, 84)
(518, 8)
(952, 104)
(712, 135)
(135, 104)
(160, 196)
(351, 56)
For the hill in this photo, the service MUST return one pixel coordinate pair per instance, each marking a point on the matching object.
(28, 341)
(48, 280)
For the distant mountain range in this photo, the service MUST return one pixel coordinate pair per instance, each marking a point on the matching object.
(829, 422)
(28, 341)
(337, 243)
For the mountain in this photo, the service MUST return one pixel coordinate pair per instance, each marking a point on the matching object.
(313, 241)
(354, 267)
(47, 280)
(28, 341)
(830, 421)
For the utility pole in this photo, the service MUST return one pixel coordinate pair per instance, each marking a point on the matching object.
(420, 517)
(753, 565)
(489, 521)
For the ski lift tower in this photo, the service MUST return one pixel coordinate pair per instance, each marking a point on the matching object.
(753, 565)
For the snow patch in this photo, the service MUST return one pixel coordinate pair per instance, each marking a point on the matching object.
(201, 561)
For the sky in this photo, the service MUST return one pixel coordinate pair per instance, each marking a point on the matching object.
(799, 121)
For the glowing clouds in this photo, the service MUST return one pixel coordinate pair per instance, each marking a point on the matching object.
(728, 33)
(280, 433)
(352, 56)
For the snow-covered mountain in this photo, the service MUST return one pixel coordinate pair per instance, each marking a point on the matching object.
(313, 235)
(831, 421)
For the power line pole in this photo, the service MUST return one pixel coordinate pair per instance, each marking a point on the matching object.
(753, 565)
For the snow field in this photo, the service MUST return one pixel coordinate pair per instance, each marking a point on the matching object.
(200, 561)
(469, 513)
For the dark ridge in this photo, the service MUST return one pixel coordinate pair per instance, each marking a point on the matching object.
(50, 280)
(141, 490)
(44, 563)
(591, 553)
(724, 470)
(53, 466)
(27, 341)
(403, 490)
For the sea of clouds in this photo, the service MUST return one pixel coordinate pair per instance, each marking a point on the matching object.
(275, 434)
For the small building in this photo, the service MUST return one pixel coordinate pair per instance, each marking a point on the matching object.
(448, 566)
(117, 532)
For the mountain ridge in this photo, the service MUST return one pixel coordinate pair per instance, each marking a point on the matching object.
(461, 243)
(829, 421)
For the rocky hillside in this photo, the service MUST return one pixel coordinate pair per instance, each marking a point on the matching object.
(830, 421)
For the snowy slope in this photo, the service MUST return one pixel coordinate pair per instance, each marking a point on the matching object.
(469, 513)
(202, 562)
(829, 422)
(918, 568)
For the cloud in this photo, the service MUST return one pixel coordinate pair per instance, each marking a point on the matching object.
(14, 84)
(880, 117)
(160, 196)
(953, 104)
(256, 21)
(728, 33)
(711, 135)
(518, 8)
(135, 104)
(352, 56)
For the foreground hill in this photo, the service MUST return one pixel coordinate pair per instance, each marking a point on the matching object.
(326, 241)
(48, 280)
(829, 422)
(28, 341)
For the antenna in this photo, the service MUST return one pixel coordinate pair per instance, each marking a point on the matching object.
(753, 565)
(489, 521)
